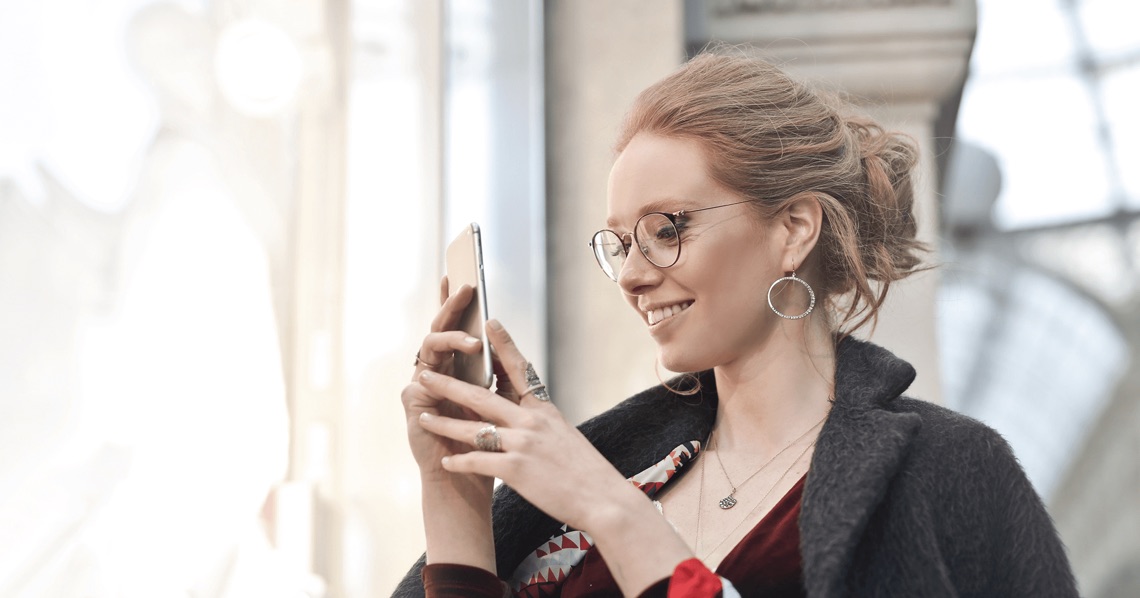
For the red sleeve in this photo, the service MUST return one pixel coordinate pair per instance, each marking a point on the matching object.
(446, 580)
(691, 579)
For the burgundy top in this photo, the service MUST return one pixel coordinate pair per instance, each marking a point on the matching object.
(765, 563)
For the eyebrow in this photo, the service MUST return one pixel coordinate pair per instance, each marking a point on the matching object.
(668, 204)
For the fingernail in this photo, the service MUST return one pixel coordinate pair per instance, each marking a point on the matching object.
(444, 461)
(494, 324)
(425, 416)
(427, 375)
(470, 340)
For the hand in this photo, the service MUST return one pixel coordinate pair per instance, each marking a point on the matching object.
(543, 457)
(435, 354)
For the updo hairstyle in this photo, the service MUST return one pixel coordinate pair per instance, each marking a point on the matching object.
(772, 139)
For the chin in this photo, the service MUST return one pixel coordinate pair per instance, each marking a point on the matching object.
(682, 362)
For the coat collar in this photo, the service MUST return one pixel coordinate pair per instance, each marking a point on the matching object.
(858, 453)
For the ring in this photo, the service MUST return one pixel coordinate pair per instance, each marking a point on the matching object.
(539, 392)
(535, 385)
(420, 362)
(488, 439)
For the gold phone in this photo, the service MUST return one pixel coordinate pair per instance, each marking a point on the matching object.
(465, 267)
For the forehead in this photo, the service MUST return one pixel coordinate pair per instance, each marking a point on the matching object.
(658, 174)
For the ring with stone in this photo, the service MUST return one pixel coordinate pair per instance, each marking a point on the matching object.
(488, 439)
(539, 392)
(534, 385)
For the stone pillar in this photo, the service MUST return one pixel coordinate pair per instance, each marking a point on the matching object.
(599, 55)
(897, 60)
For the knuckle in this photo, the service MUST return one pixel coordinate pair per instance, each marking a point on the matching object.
(522, 441)
(530, 421)
(408, 395)
(512, 463)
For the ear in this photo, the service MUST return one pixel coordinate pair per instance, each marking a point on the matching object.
(801, 220)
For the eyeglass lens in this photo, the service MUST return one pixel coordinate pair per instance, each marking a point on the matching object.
(654, 234)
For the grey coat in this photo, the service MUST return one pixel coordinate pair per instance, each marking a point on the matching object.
(904, 498)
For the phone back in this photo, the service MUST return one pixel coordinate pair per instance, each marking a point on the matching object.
(465, 267)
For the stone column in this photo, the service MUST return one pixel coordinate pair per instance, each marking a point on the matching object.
(898, 60)
(599, 55)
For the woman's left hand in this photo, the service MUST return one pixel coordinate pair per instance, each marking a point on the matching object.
(547, 460)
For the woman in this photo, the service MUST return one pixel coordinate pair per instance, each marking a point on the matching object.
(751, 226)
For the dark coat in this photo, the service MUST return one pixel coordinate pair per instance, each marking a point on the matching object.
(904, 498)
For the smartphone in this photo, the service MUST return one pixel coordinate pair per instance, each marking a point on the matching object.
(465, 267)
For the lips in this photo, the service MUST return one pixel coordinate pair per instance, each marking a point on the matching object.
(660, 314)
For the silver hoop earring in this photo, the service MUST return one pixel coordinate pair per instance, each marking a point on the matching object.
(792, 278)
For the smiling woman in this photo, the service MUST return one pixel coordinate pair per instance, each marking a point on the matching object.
(768, 224)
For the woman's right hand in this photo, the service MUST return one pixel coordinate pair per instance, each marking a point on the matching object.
(436, 353)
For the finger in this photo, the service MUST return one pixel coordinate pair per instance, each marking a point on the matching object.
(512, 360)
(438, 347)
(503, 386)
(452, 309)
(492, 465)
(459, 430)
(476, 398)
(443, 289)
(416, 399)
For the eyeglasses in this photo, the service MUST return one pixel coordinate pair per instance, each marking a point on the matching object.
(657, 235)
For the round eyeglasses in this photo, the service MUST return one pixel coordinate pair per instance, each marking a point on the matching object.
(657, 234)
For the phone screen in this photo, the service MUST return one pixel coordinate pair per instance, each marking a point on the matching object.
(465, 267)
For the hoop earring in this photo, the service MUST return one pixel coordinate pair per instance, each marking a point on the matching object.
(792, 278)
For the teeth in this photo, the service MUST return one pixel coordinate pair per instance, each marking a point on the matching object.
(661, 313)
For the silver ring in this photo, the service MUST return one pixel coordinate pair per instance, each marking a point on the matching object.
(488, 439)
(534, 385)
(539, 392)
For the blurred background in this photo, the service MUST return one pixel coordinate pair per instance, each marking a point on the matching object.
(221, 226)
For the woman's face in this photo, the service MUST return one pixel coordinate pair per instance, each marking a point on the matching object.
(710, 308)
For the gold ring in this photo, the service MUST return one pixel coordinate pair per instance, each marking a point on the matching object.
(419, 362)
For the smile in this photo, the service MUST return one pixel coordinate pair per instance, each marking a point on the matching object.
(656, 316)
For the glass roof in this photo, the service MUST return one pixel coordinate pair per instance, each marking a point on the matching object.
(1051, 94)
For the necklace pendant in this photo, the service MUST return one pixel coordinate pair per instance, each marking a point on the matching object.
(727, 502)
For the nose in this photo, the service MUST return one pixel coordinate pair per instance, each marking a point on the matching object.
(638, 274)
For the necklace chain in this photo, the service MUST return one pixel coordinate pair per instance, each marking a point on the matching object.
(700, 501)
(730, 501)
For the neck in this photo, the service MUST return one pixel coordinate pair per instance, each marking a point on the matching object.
(770, 397)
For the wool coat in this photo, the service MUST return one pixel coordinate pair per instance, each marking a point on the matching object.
(904, 498)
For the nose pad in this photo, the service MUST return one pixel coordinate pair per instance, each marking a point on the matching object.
(637, 272)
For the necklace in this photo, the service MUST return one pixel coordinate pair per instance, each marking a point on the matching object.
(730, 501)
(700, 500)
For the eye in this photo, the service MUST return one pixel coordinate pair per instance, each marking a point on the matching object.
(666, 235)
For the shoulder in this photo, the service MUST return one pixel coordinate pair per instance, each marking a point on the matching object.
(984, 506)
(964, 467)
(944, 433)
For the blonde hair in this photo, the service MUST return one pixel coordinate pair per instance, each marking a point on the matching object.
(772, 139)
